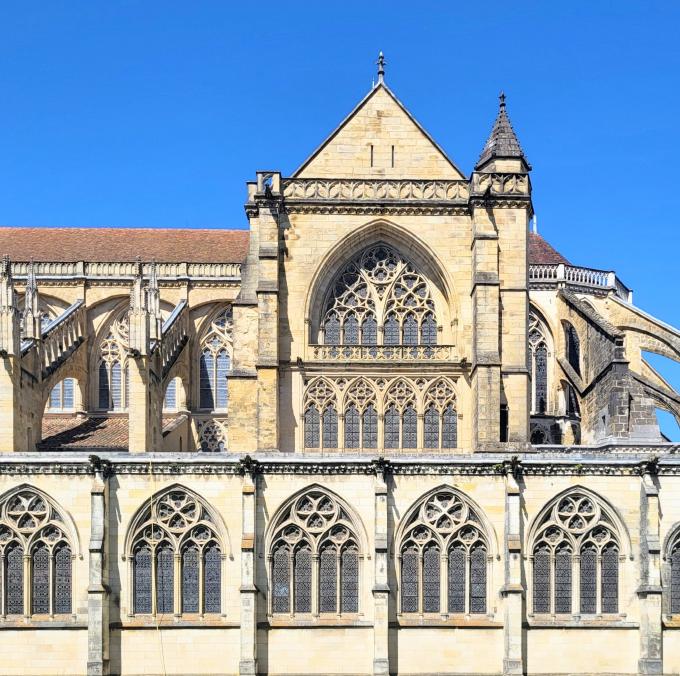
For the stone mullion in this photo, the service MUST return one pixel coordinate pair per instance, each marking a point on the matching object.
(598, 583)
(443, 582)
(50, 582)
(341, 428)
(177, 587)
(338, 581)
(28, 586)
(3, 586)
(420, 431)
(576, 584)
(468, 581)
(315, 585)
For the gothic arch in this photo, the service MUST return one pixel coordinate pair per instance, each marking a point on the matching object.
(63, 519)
(404, 242)
(604, 506)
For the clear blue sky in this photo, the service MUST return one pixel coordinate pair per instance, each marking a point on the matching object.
(156, 113)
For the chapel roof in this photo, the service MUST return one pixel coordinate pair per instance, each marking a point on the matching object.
(542, 253)
(114, 245)
(502, 141)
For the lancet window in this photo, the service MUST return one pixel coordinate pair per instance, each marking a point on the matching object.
(114, 386)
(215, 362)
(314, 558)
(175, 555)
(37, 556)
(401, 418)
(572, 347)
(379, 298)
(538, 357)
(443, 557)
(576, 551)
(673, 559)
(440, 417)
(361, 416)
(321, 416)
(62, 396)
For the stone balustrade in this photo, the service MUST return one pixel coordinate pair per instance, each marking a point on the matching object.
(578, 279)
(387, 353)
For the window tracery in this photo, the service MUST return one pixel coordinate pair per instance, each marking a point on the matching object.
(314, 557)
(379, 295)
(62, 396)
(443, 533)
(212, 435)
(576, 545)
(401, 419)
(215, 359)
(30, 523)
(361, 415)
(538, 355)
(441, 418)
(175, 527)
(114, 386)
(321, 415)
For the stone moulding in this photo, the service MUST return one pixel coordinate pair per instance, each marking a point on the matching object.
(662, 459)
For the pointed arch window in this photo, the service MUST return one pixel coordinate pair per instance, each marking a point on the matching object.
(31, 524)
(443, 534)
(441, 418)
(379, 287)
(576, 533)
(216, 349)
(314, 557)
(320, 415)
(673, 558)
(361, 416)
(538, 357)
(572, 347)
(62, 396)
(175, 526)
(113, 375)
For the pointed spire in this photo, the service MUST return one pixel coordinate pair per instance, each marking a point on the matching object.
(381, 68)
(31, 320)
(502, 142)
(7, 295)
(137, 293)
(153, 297)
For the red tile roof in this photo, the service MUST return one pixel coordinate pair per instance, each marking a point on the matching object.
(541, 253)
(70, 433)
(113, 245)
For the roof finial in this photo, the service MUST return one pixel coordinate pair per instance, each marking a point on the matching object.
(381, 68)
(501, 100)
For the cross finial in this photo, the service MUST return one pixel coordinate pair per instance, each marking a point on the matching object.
(381, 67)
(501, 100)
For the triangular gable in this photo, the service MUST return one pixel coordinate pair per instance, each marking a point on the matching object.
(379, 138)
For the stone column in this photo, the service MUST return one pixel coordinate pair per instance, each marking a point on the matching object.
(512, 590)
(381, 589)
(248, 589)
(97, 590)
(650, 589)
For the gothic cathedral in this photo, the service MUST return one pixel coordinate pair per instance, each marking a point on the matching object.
(388, 429)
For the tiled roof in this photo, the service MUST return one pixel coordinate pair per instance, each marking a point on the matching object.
(502, 141)
(541, 253)
(113, 245)
(70, 433)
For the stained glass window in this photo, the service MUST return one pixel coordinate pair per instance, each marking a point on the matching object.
(14, 580)
(207, 370)
(391, 331)
(541, 589)
(431, 420)
(312, 427)
(675, 579)
(351, 328)
(410, 429)
(428, 331)
(456, 579)
(563, 581)
(40, 572)
(281, 581)
(410, 331)
(588, 580)
(190, 580)
(170, 401)
(142, 580)
(222, 392)
(610, 580)
(540, 377)
(349, 592)
(573, 347)
(62, 580)
(62, 395)
(328, 585)
(370, 427)
(369, 331)
(212, 579)
(116, 386)
(478, 580)
(330, 427)
(449, 427)
(409, 581)
(332, 331)
(103, 386)
(303, 580)
(431, 579)
(352, 427)
(392, 424)
(165, 579)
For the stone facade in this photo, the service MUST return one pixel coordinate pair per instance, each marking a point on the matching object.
(389, 430)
